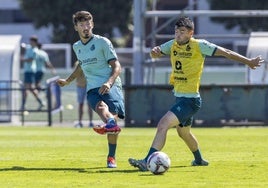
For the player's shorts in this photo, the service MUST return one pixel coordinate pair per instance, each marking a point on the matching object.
(185, 108)
(81, 94)
(38, 76)
(114, 99)
(28, 77)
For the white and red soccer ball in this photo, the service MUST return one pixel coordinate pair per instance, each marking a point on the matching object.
(158, 162)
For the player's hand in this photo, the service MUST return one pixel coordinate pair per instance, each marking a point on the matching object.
(54, 72)
(255, 62)
(156, 52)
(105, 88)
(62, 82)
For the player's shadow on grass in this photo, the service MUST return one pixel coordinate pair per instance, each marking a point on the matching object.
(79, 170)
(107, 170)
(171, 169)
(20, 168)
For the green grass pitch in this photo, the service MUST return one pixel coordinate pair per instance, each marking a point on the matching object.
(37, 156)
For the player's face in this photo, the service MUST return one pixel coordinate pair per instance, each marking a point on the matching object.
(84, 29)
(182, 35)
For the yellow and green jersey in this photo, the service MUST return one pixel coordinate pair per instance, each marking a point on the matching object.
(187, 63)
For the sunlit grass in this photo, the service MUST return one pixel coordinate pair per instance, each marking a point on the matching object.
(67, 157)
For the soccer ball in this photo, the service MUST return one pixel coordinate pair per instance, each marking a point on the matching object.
(158, 162)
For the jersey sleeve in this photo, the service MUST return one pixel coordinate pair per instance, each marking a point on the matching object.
(165, 47)
(108, 49)
(207, 48)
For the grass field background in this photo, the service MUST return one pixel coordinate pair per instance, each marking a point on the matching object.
(39, 156)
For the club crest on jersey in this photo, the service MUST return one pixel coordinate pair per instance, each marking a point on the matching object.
(188, 48)
(92, 47)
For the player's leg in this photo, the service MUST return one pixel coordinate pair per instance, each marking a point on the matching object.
(28, 81)
(36, 95)
(81, 93)
(38, 78)
(190, 106)
(110, 127)
(33, 90)
(24, 95)
(89, 109)
(109, 105)
(112, 144)
(38, 87)
(109, 115)
(108, 118)
(166, 122)
(192, 143)
(79, 124)
(186, 135)
(90, 115)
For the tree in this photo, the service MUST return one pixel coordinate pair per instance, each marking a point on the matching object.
(108, 14)
(246, 24)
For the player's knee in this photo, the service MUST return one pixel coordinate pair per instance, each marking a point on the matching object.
(101, 106)
(162, 127)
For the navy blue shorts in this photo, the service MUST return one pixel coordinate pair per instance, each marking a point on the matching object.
(185, 108)
(38, 76)
(114, 99)
(29, 77)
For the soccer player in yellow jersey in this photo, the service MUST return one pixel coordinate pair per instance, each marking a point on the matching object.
(187, 57)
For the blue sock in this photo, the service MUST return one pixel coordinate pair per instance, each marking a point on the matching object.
(152, 150)
(197, 156)
(111, 121)
(112, 149)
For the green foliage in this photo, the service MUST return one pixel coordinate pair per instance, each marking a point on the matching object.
(58, 14)
(60, 156)
(246, 24)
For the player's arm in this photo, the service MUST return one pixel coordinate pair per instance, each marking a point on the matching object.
(116, 70)
(253, 63)
(25, 60)
(51, 67)
(77, 71)
(156, 52)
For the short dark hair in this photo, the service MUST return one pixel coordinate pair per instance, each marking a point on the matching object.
(185, 22)
(34, 38)
(82, 16)
(39, 45)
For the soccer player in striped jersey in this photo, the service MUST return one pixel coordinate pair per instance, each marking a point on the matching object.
(187, 56)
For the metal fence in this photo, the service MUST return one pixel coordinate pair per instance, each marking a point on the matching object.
(11, 94)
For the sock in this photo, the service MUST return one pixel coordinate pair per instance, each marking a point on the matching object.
(40, 101)
(23, 103)
(112, 149)
(111, 121)
(197, 156)
(152, 150)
